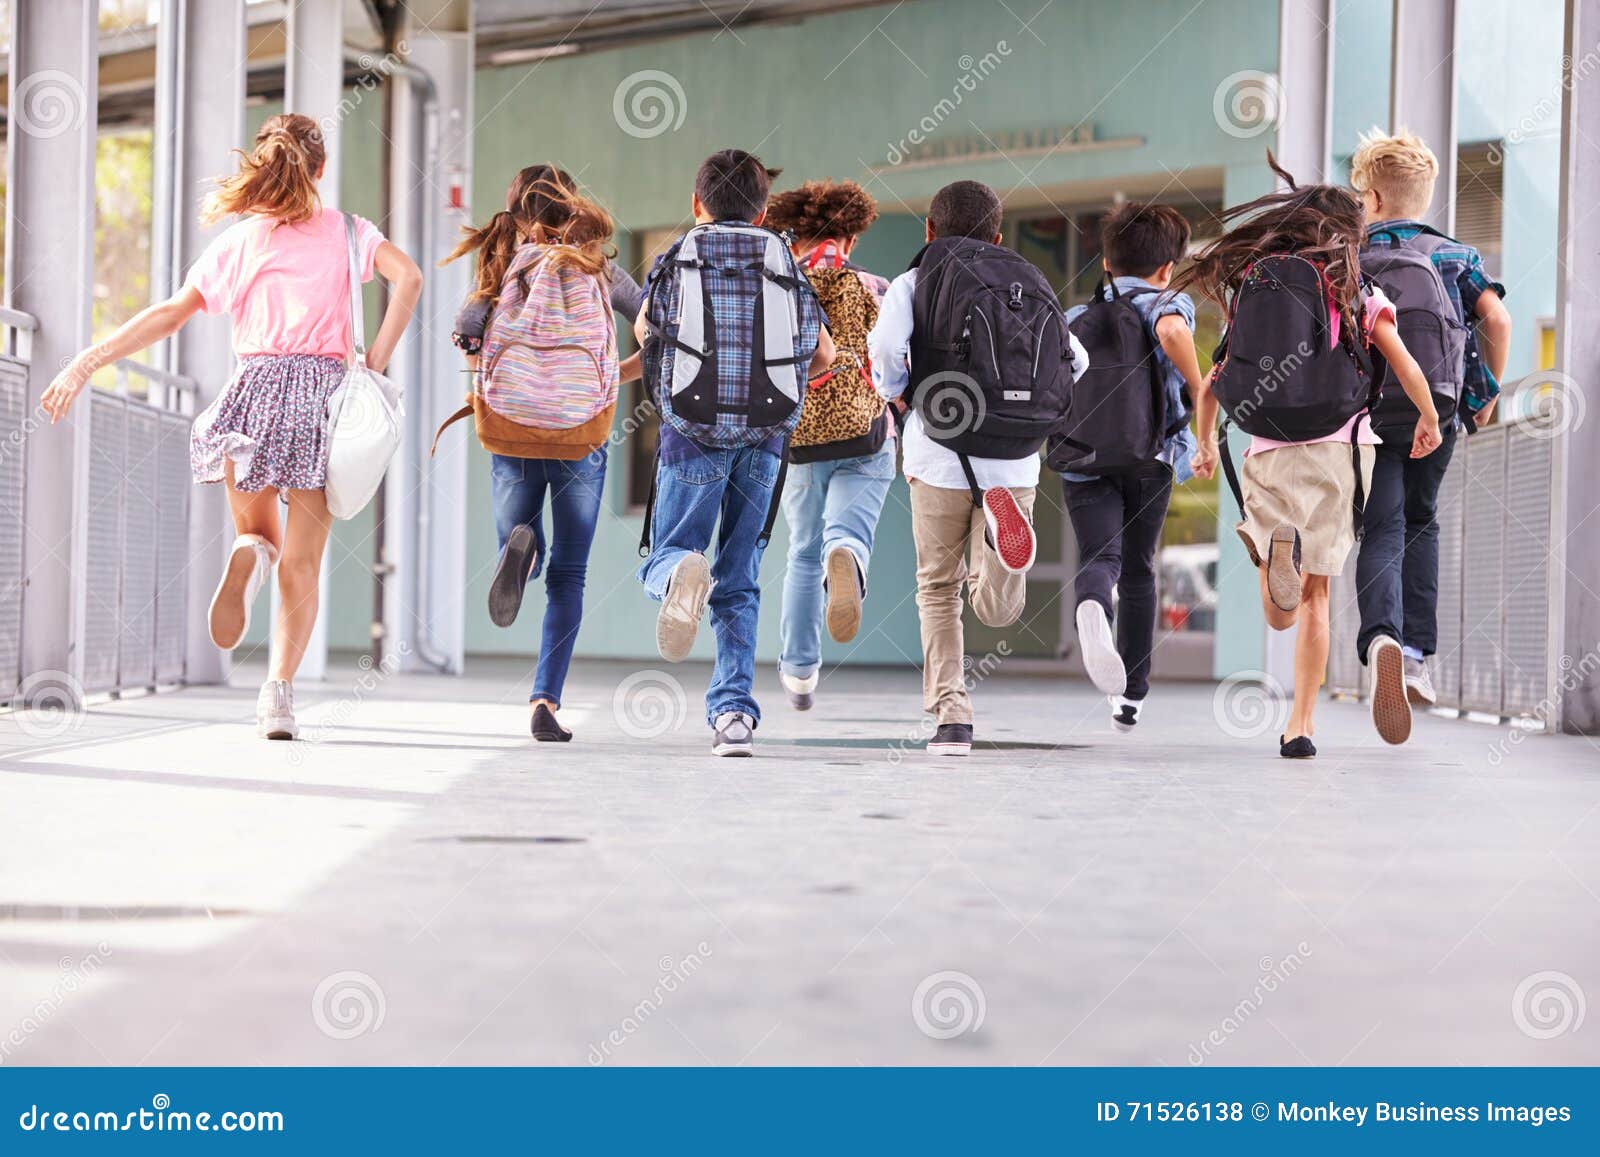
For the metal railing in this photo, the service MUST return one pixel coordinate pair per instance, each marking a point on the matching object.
(137, 555)
(15, 425)
(1495, 546)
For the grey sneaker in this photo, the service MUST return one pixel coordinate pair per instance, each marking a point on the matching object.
(685, 601)
(734, 734)
(275, 710)
(799, 690)
(1391, 711)
(1419, 683)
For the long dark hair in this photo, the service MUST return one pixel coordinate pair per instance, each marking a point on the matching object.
(542, 205)
(1322, 223)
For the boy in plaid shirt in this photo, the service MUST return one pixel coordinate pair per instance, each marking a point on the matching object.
(704, 491)
(1397, 572)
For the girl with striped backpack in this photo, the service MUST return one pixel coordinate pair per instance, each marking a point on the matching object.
(544, 391)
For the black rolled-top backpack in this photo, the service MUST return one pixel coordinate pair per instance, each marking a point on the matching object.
(991, 362)
(1428, 327)
(1117, 417)
(1278, 376)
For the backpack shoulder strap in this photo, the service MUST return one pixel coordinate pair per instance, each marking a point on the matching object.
(464, 412)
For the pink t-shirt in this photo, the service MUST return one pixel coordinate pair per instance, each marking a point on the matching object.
(286, 287)
(1373, 306)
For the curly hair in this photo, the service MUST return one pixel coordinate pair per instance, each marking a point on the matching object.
(822, 210)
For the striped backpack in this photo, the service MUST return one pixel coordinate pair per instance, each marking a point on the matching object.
(546, 385)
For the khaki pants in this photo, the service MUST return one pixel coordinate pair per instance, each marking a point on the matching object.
(948, 531)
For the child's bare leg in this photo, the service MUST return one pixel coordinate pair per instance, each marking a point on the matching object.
(299, 570)
(1310, 653)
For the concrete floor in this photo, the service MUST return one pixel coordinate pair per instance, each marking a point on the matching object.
(417, 883)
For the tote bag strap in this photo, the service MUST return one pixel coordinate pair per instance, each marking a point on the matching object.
(358, 322)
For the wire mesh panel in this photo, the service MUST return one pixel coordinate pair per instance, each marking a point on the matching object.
(108, 462)
(1452, 552)
(13, 405)
(1344, 625)
(172, 547)
(1483, 578)
(1526, 649)
(136, 661)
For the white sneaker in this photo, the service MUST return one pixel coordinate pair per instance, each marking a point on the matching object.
(275, 710)
(249, 564)
(1100, 658)
(799, 690)
(1419, 683)
(1124, 712)
(734, 735)
(688, 588)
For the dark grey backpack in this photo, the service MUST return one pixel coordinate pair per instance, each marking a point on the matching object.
(1428, 325)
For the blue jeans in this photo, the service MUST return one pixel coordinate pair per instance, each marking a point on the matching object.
(519, 486)
(691, 495)
(827, 504)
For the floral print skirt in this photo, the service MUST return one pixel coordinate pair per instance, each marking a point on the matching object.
(272, 422)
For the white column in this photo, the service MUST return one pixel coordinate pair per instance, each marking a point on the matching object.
(1422, 90)
(1575, 563)
(431, 182)
(314, 86)
(53, 89)
(1305, 74)
(200, 118)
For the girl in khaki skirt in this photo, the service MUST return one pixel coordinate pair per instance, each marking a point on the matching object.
(1299, 497)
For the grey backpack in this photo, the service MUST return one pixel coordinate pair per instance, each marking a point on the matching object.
(1428, 325)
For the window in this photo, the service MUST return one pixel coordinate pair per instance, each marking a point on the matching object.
(644, 424)
(1480, 183)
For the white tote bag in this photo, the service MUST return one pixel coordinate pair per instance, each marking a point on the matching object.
(364, 413)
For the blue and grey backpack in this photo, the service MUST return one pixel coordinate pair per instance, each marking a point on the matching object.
(733, 325)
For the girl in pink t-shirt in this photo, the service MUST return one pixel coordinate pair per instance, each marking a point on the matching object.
(1300, 497)
(281, 272)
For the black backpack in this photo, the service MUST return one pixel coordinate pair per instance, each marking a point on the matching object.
(1428, 327)
(1117, 417)
(1277, 376)
(991, 362)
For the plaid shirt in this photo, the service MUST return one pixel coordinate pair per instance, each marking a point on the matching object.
(733, 302)
(1460, 266)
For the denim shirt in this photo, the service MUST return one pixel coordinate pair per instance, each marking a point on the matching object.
(1179, 450)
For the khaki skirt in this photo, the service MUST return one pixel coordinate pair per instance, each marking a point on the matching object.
(1311, 488)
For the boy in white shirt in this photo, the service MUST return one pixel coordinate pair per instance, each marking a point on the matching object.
(947, 527)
